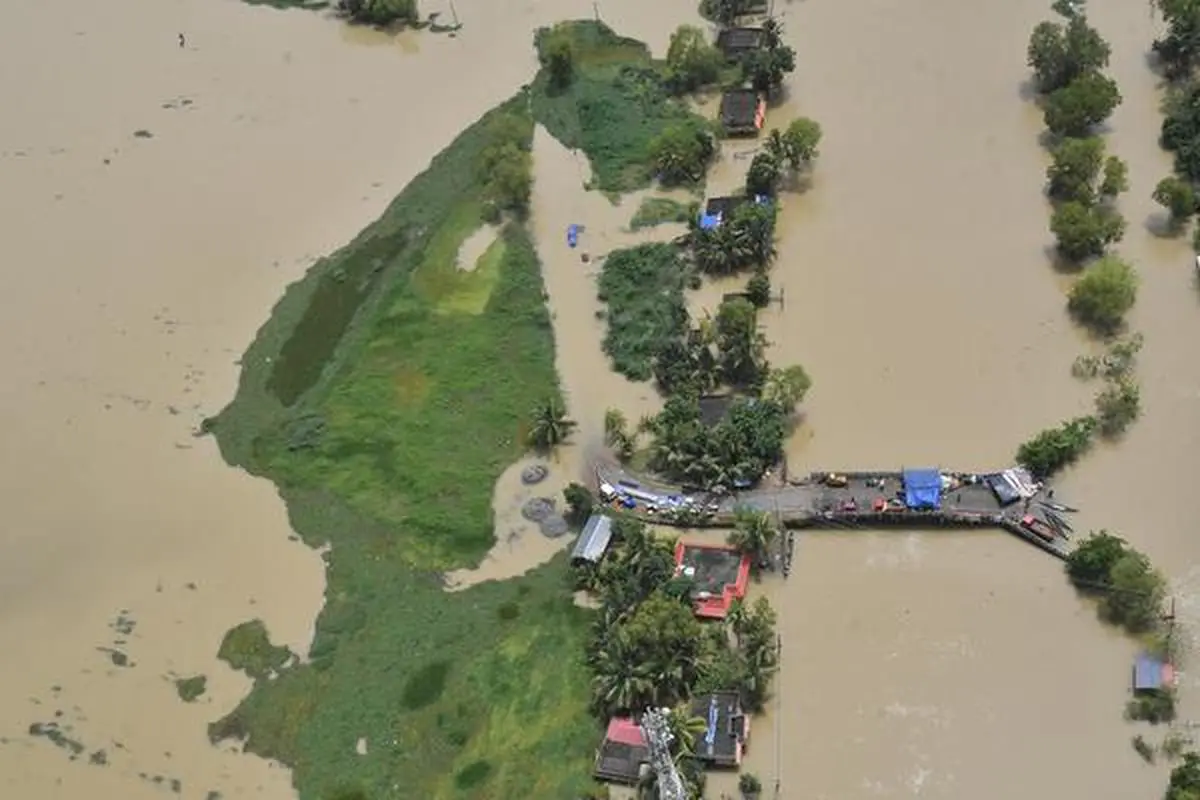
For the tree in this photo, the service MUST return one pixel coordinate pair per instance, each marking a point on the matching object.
(691, 61)
(549, 426)
(765, 69)
(507, 177)
(1055, 448)
(1074, 167)
(724, 12)
(1089, 564)
(763, 175)
(684, 727)
(616, 434)
(786, 388)
(1178, 197)
(1116, 178)
(681, 153)
(1179, 50)
(1077, 108)
(558, 57)
(750, 235)
(1101, 297)
(753, 535)
(1185, 779)
(758, 289)
(1058, 54)
(1117, 406)
(740, 344)
(749, 784)
(797, 145)
(580, 503)
(1181, 128)
(379, 12)
(1136, 593)
(1085, 231)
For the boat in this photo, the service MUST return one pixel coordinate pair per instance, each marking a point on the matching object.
(1059, 507)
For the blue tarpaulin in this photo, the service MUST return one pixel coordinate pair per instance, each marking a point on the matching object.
(923, 488)
(1147, 673)
(573, 235)
(709, 221)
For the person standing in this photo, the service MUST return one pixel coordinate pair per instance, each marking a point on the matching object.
(182, 41)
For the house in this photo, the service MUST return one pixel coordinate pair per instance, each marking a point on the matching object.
(737, 42)
(623, 752)
(593, 540)
(743, 112)
(718, 209)
(727, 729)
(719, 576)
(1151, 674)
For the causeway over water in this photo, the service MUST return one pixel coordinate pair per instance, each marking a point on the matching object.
(1006, 499)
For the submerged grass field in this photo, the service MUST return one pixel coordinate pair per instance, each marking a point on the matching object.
(384, 397)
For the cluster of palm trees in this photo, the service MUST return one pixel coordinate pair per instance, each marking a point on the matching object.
(549, 426)
(753, 535)
(647, 649)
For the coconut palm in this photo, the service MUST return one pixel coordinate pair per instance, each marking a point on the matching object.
(622, 682)
(684, 727)
(550, 426)
(753, 535)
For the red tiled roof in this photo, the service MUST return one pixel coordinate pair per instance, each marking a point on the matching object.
(625, 731)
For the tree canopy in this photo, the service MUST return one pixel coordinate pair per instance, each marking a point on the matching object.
(691, 61)
(681, 153)
(379, 12)
(1085, 231)
(1102, 296)
(1179, 49)
(1079, 172)
(797, 145)
(1077, 108)
(1055, 448)
(1059, 54)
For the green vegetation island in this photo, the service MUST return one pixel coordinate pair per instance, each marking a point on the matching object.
(390, 389)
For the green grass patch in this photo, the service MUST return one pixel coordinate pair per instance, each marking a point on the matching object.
(615, 105)
(643, 289)
(248, 648)
(191, 689)
(658, 211)
(409, 409)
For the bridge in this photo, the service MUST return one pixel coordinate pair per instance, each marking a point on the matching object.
(1007, 499)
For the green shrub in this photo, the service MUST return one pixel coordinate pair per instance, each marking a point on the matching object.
(1055, 448)
(642, 288)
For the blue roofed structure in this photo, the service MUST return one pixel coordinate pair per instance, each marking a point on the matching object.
(923, 488)
(594, 539)
(1147, 673)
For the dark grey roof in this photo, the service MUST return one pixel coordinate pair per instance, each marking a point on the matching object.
(735, 41)
(594, 539)
(738, 108)
(724, 719)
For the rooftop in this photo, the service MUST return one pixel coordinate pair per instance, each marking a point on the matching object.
(594, 539)
(726, 731)
(622, 752)
(734, 42)
(720, 575)
(742, 110)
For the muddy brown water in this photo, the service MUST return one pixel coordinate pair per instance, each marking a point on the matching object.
(918, 295)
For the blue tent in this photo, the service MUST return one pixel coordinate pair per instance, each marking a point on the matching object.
(923, 488)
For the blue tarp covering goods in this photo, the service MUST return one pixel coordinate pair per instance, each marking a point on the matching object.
(923, 488)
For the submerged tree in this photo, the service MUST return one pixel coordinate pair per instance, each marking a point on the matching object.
(1104, 294)
(691, 61)
(1083, 231)
(379, 12)
(1178, 197)
(1077, 108)
(1059, 54)
(681, 153)
(797, 145)
(1055, 448)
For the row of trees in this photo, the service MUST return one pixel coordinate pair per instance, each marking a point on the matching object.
(1083, 183)
(647, 649)
(505, 167)
(1178, 54)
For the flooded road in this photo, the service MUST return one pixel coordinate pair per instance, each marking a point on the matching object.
(920, 296)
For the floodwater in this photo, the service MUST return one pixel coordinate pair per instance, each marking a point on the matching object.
(918, 294)
(156, 199)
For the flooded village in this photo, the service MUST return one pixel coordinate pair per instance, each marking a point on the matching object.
(391, 620)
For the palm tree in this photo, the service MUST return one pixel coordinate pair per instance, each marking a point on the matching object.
(621, 681)
(685, 727)
(753, 535)
(550, 426)
(772, 33)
